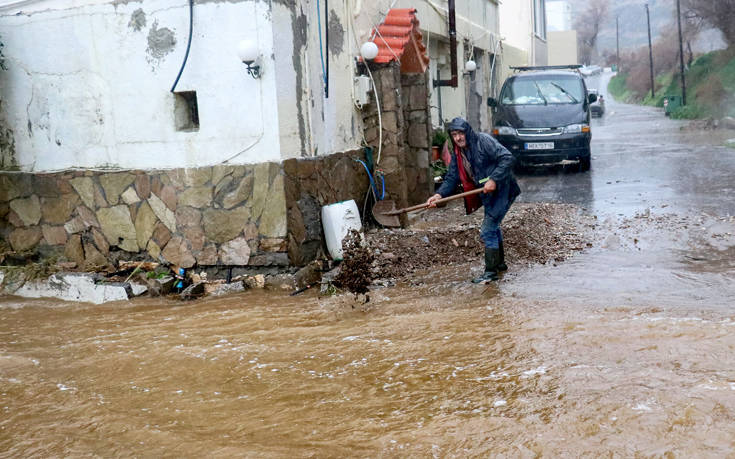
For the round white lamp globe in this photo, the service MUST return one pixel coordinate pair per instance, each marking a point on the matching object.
(369, 50)
(247, 51)
(470, 66)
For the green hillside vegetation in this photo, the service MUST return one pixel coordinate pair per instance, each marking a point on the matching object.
(710, 87)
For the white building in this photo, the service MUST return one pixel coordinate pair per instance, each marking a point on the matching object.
(107, 94)
(562, 38)
(558, 15)
(89, 84)
(523, 28)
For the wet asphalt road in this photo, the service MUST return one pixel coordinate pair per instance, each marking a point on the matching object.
(663, 197)
(641, 159)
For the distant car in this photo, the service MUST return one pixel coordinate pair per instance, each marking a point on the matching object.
(597, 108)
(589, 70)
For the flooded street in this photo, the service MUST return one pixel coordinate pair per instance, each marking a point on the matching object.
(625, 350)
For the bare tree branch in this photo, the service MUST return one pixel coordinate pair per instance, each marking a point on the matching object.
(588, 28)
(719, 14)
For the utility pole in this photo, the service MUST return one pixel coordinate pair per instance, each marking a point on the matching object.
(650, 51)
(617, 41)
(681, 56)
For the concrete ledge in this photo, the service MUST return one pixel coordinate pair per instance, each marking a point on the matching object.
(74, 287)
(91, 288)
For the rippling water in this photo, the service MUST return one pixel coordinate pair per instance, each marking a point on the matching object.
(440, 369)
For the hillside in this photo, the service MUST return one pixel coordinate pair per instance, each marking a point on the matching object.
(710, 87)
(633, 27)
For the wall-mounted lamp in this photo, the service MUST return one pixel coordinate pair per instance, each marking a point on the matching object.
(368, 50)
(247, 50)
(470, 66)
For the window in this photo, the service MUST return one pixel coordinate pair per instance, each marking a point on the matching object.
(186, 111)
(543, 90)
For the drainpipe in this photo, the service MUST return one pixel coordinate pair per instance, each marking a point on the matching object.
(439, 97)
(452, 50)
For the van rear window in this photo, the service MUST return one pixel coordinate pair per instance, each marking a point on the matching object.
(543, 90)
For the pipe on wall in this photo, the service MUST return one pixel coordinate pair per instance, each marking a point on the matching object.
(453, 82)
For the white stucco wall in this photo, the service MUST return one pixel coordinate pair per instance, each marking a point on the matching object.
(336, 124)
(563, 47)
(85, 89)
(517, 29)
(516, 24)
(311, 122)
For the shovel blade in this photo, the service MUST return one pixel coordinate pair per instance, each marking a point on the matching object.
(381, 213)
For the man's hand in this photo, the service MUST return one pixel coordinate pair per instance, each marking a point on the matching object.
(489, 186)
(431, 202)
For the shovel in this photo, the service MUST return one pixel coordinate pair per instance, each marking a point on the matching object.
(386, 214)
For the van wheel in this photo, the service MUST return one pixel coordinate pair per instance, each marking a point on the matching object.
(584, 164)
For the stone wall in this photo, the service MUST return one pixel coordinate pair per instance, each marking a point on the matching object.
(221, 215)
(415, 98)
(257, 215)
(312, 183)
(406, 120)
(391, 159)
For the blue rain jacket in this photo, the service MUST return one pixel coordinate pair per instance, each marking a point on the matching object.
(489, 159)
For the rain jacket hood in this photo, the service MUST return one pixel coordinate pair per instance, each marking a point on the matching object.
(460, 124)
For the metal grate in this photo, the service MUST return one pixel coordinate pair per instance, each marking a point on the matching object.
(540, 132)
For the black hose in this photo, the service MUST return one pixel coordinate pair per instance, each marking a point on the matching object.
(188, 44)
(326, 35)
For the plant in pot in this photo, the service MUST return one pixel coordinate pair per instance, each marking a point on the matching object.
(437, 143)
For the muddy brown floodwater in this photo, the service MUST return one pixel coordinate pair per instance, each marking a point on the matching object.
(622, 349)
(444, 369)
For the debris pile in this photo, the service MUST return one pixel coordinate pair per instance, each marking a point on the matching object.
(534, 233)
(355, 272)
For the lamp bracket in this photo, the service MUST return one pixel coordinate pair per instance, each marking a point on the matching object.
(253, 70)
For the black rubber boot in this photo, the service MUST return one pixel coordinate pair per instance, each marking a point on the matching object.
(492, 259)
(501, 265)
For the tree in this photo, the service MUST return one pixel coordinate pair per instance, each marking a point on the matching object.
(719, 14)
(588, 28)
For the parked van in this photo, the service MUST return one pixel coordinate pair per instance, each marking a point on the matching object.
(542, 116)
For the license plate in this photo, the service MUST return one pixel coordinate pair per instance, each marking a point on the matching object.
(540, 146)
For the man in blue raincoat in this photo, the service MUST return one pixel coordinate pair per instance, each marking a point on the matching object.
(478, 161)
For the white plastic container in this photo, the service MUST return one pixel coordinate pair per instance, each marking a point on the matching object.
(338, 219)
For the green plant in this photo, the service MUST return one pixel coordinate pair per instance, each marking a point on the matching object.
(438, 168)
(330, 290)
(440, 137)
(155, 275)
(16, 276)
(688, 112)
(617, 86)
